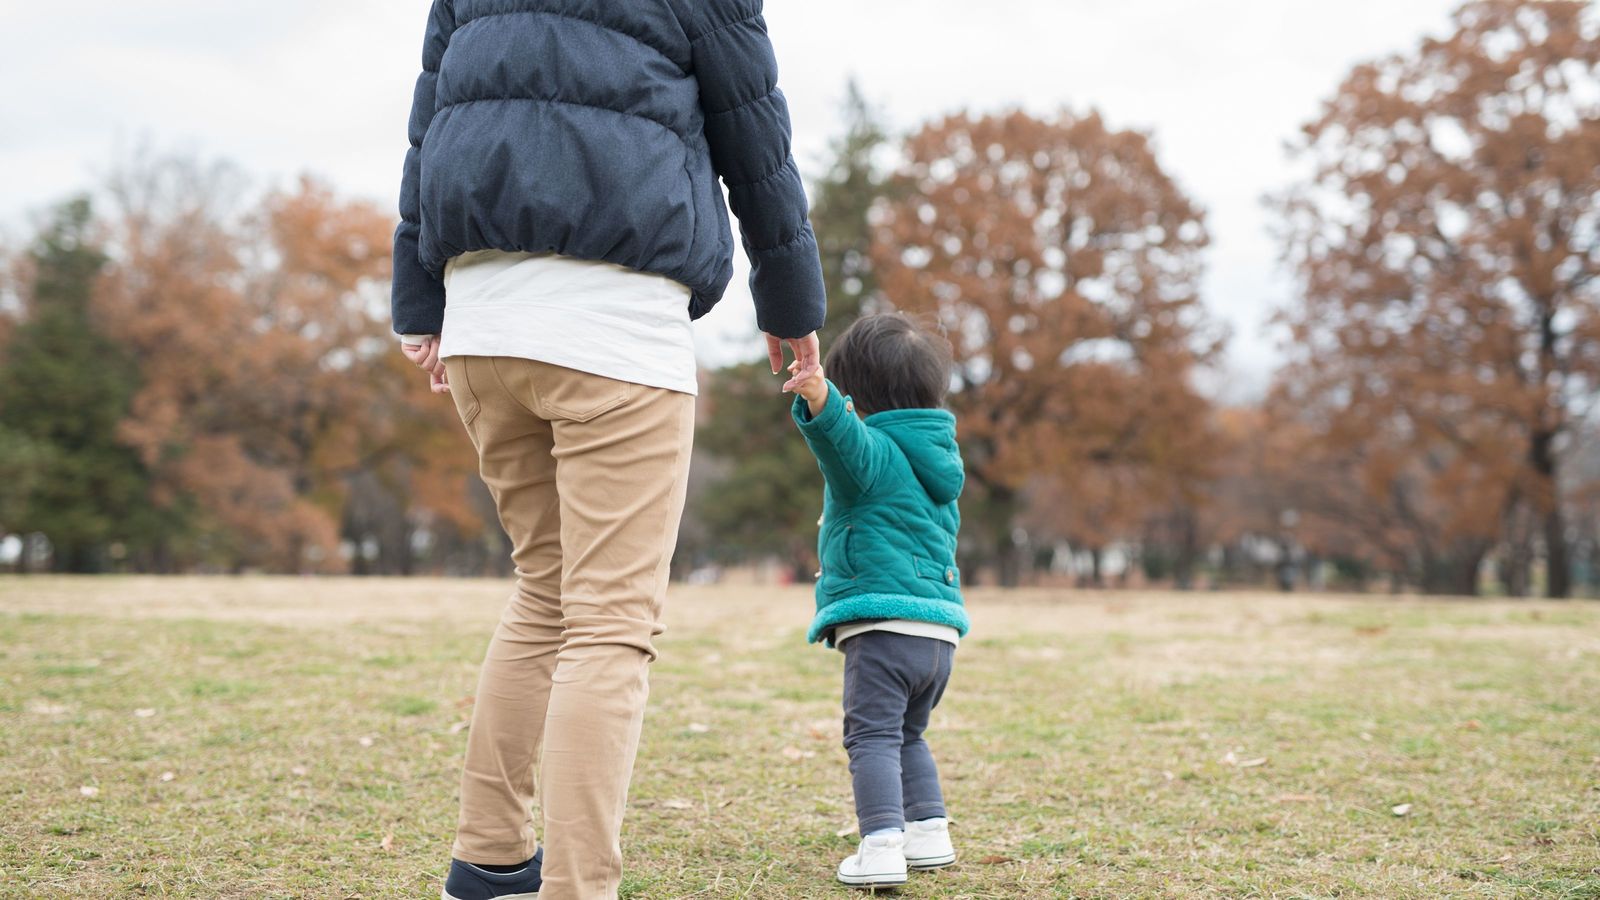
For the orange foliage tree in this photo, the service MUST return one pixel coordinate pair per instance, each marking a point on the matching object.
(1064, 264)
(1446, 339)
(268, 382)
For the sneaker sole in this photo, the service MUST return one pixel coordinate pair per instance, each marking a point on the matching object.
(931, 862)
(445, 895)
(873, 881)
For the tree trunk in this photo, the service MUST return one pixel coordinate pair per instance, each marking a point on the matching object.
(1542, 454)
(1008, 560)
(1515, 568)
(1558, 584)
(1188, 552)
(1452, 575)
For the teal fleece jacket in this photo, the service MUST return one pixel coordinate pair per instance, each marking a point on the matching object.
(889, 515)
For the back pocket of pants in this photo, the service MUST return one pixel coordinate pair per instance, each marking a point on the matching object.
(579, 396)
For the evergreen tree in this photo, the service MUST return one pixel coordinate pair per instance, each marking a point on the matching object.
(67, 387)
(768, 500)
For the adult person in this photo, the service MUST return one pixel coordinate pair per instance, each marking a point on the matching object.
(561, 226)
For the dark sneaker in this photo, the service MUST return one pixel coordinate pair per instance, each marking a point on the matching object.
(468, 882)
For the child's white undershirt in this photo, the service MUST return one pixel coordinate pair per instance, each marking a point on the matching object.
(898, 626)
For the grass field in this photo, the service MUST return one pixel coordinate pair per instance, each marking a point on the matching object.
(301, 738)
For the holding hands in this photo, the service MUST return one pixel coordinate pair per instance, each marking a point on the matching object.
(807, 356)
(812, 386)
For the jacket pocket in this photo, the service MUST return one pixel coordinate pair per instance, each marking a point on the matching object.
(947, 575)
(837, 571)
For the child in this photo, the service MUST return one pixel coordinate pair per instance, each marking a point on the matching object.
(889, 594)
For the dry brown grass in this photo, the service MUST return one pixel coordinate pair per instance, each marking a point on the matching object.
(299, 738)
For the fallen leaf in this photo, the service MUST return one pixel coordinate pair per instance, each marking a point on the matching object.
(699, 728)
(46, 709)
(1366, 737)
(846, 831)
(460, 726)
(725, 804)
(168, 776)
(144, 713)
(1371, 630)
(388, 842)
(299, 771)
(1168, 775)
(795, 754)
(365, 741)
(1230, 759)
(1400, 809)
(677, 804)
(1252, 763)
(1472, 725)
(994, 860)
(466, 701)
(89, 790)
(1297, 798)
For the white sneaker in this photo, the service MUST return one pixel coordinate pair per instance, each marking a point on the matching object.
(881, 862)
(928, 844)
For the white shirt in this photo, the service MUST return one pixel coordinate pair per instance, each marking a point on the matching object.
(591, 316)
(898, 626)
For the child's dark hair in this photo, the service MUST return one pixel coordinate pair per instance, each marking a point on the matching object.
(889, 361)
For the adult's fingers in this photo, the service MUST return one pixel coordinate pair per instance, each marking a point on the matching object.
(430, 359)
(439, 380)
(806, 349)
(775, 353)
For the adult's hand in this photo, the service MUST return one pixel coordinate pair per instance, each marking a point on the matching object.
(807, 352)
(426, 357)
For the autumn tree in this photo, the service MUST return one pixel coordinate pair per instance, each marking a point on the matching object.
(1064, 263)
(1447, 240)
(768, 491)
(67, 386)
(270, 388)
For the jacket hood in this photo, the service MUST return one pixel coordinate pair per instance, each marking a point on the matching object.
(928, 439)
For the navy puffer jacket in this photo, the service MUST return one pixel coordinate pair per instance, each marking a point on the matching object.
(596, 129)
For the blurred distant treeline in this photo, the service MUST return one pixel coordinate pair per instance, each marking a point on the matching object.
(196, 377)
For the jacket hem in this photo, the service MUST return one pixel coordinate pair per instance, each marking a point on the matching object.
(887, 606)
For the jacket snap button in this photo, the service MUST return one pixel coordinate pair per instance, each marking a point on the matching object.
(950, 576)
(849, 406)
(818, 575)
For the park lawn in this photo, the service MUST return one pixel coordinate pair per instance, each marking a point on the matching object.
(300, 738)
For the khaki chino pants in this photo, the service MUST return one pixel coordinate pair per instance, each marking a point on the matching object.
(588, 475)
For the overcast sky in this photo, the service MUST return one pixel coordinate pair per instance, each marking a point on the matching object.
(292, 86)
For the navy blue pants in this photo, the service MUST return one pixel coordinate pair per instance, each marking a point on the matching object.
(892, 682)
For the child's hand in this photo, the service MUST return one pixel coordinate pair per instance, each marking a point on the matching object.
(814, 388)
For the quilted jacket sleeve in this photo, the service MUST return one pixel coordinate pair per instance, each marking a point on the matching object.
(417, 300)
(850, 454)
(747, 127)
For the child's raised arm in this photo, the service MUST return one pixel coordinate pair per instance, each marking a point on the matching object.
(849, 453)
